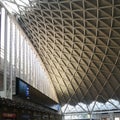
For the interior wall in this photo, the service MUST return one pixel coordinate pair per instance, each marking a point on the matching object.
(18, 58)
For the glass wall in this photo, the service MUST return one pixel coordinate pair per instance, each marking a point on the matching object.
(18, 58)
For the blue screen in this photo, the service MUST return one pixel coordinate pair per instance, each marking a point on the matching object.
(26, 91)
(23, 89)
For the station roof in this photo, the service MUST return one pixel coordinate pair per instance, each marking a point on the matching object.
(79, 44)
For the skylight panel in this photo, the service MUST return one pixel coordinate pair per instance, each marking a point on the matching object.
(15, 6)
(22, 2)
(11, 7)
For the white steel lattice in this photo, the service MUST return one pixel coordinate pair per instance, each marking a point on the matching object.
(79, 44)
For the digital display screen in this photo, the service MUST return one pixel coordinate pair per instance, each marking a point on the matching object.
(26, 91)
(22, 88)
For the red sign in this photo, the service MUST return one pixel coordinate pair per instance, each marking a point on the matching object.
(9, 115)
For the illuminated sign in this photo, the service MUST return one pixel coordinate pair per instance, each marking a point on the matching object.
(8, 115)
(26, 91)
(22, 89)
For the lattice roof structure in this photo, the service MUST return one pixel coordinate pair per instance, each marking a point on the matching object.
(79, 44)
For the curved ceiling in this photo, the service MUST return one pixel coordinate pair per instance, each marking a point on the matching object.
(79, 44)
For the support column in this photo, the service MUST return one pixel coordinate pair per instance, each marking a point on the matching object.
(90, 116)
(111, 116)
(5, 51)
(11, 51)
(62, 117)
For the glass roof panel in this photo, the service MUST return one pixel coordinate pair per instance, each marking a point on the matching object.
(79, 109)
(22, 2)
(14, 6)
(95, 106)
(11, 7)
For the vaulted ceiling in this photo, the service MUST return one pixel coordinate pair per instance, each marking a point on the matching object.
(79, 44)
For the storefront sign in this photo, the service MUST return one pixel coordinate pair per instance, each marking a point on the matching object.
(8, 115)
